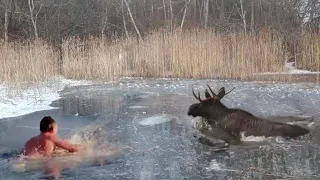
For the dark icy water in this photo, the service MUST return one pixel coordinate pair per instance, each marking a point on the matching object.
(150, 117)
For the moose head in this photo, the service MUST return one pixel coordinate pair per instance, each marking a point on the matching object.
(211, 107)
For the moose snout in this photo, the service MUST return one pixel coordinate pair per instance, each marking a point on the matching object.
(193, 110)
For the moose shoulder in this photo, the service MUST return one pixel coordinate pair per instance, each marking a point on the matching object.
(238, 121)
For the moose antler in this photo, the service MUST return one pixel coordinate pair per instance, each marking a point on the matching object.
(221, 93)
(196, 95)
(207, 94)
(211, 91)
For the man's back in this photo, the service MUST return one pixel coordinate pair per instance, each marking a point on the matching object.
(39, 145)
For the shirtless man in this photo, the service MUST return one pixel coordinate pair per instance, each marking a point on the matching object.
(45, 143)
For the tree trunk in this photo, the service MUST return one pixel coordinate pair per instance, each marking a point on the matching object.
(243, 16)
(252, 16)
(104, 23)
(164, 10)
(184, 14)
(7, 6)
(152, 9)
(214, 15)
(201, 12)
(206, 13)
(34, 17)
(171, 15)
(6, 24)
(132, 20)
(124, 21)
(222, 18)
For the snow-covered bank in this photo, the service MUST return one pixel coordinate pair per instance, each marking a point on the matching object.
(38, 97)
(33, 98)
(291, 69)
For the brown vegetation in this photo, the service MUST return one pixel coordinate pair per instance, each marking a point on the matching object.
(197, 53)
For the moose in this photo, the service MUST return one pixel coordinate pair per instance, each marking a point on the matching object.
(239, 122)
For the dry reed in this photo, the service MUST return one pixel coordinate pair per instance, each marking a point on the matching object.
(188, 54)
(198, 53)
(27, 62)
(310, 52)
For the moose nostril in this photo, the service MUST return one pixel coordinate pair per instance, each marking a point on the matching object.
(190, 112)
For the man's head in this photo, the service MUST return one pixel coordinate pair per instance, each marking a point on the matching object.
(48, 125)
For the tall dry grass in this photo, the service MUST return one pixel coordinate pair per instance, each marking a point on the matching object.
(197, 53)
(91, 59)
(27, 62)
(310, 52)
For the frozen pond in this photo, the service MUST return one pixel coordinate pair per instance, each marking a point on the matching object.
(150, 117)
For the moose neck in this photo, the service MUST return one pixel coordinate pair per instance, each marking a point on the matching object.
(218, 112)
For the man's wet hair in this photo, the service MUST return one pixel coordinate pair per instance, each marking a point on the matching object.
(46, 124)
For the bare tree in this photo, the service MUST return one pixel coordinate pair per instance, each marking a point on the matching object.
(243, 16)
(7, 8)
(164, 9)
(132, 20)
(206, 13)
(222, 16)
(124, 21)
(184, 13)
(252, 16)
(152, 9)
(34, 15)
(104, 20)
(64, 18)
(171, 14)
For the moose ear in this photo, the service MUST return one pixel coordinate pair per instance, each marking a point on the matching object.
(221, 93)
(207, 94)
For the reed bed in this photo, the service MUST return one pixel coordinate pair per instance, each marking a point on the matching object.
(185, 54)
(27, 62)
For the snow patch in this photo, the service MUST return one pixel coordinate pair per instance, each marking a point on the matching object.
(156, 120)
(36, 97)
(302, 123)
(137, 107)
(252, 138)
(291, 69)
(214, 165)
(277, 139)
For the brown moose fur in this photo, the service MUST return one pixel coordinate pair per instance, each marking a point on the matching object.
(237, 121)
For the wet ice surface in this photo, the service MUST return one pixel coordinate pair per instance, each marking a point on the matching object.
(150, 117)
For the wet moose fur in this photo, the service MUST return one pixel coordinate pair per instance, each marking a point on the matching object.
(237, 121)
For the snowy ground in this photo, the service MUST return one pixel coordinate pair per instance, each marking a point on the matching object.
(33, 98)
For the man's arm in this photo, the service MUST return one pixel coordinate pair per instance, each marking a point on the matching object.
(66, 145)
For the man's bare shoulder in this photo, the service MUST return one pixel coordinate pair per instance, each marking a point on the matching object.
(53, 139)
(32, 140)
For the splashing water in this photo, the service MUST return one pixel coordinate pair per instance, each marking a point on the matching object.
(95, 143)
(96, 150)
